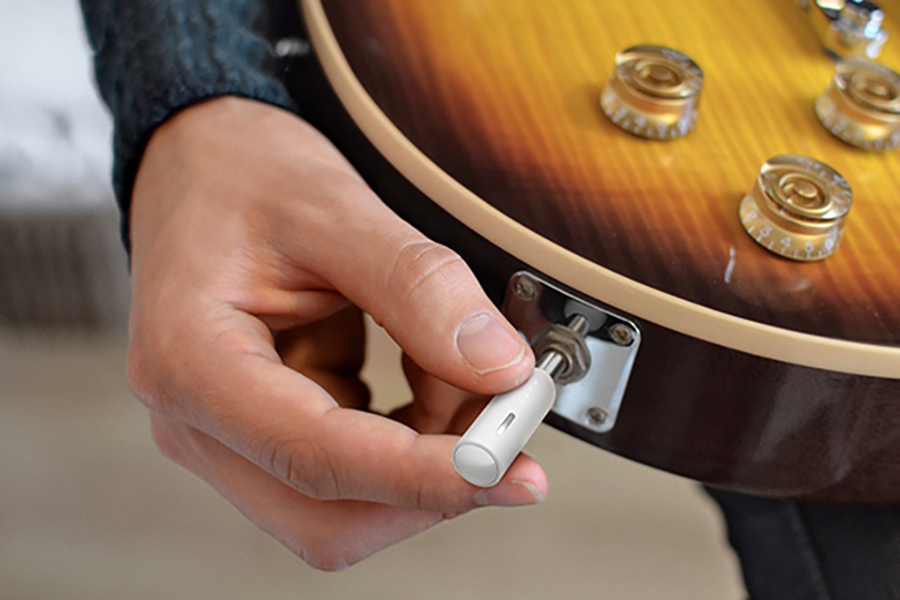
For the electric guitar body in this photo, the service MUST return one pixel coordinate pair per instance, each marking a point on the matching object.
(480, 122)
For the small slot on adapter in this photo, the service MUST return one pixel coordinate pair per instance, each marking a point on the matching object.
(506, 423)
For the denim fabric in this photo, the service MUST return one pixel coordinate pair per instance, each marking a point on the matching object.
(155, 57)
(791, 551)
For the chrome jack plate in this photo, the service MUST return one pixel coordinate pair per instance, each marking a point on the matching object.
(534, 305)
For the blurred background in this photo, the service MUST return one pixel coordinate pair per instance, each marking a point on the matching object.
(88, 508)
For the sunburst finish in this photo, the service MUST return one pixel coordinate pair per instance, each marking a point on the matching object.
(503, 96)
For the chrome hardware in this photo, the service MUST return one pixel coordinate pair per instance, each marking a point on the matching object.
(596, 416)
(621, 334)
(596, 347)
(524, 288)
(847, 27)
(797, 208)
(567, 342)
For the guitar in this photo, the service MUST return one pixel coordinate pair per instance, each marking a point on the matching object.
(480, 123)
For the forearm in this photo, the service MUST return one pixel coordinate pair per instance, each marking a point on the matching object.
(155, 57)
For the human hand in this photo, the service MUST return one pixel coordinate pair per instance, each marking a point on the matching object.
(251, 238)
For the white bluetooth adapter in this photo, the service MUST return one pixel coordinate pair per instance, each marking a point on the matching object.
(493, 441)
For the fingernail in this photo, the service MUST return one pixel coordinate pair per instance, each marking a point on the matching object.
(510, 493)
(487, 346)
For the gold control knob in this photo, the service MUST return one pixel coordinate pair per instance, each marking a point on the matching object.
(653, 92)
(797, 208)
(862, 105)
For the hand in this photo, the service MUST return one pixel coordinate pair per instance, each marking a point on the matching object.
(252, 237)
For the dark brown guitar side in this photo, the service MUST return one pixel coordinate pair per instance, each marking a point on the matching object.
(479, 122)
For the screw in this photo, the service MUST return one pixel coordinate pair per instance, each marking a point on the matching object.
(596, 416)
(621, 334)
(524, 288)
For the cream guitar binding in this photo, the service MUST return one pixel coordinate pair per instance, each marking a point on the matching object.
(754, 372)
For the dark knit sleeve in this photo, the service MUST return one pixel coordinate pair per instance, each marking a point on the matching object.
(155, 57)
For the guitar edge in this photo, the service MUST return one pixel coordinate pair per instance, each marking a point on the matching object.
(718, 415)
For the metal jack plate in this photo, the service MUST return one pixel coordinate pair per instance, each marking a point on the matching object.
(533, 305)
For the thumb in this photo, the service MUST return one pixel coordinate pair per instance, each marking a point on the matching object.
(429, 301)
(436, 310)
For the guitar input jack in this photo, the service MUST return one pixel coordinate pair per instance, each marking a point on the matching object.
(494, 440)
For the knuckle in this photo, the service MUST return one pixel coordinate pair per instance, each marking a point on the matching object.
(327, 191)
(432, 496)
(302, 464)
(345, 183)
(424, 264)
(149, 378)
(139, 380)
(166, 369)
(323, 554)
(166, 440)
(421, 496)
(148, 353)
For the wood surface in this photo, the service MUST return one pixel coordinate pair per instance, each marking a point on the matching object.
(503, 96)
(480, 104)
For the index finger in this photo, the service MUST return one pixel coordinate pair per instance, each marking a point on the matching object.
(292, 428)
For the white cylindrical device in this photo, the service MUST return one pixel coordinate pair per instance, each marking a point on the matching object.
(496, 437)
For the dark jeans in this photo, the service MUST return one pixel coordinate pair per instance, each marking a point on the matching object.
(794, 551)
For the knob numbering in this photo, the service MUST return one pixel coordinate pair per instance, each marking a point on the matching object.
(861, 105)
(797, 208)
(653, 92)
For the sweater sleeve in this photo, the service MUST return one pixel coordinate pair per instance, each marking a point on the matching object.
(155, 57)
